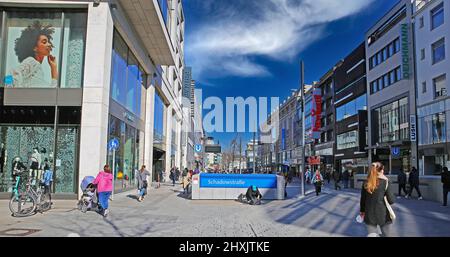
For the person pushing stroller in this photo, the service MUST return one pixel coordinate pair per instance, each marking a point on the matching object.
(89, 198)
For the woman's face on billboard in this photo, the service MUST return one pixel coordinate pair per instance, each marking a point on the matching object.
(43, 46)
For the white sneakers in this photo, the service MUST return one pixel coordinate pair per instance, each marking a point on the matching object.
(105, 212)
(420, 198)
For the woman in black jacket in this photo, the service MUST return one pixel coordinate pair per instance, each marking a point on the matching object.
(372, 206)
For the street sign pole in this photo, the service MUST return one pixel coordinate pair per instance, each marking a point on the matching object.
(114, 172)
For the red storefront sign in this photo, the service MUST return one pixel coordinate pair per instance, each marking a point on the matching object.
(314, 160)
(316, 113)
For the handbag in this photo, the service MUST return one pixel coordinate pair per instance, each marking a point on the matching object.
(388, 206)
(144, 184)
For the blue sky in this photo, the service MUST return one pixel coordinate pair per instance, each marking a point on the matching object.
(253, 47)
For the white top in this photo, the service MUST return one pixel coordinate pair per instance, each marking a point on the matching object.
(30, 74)
(36, 157)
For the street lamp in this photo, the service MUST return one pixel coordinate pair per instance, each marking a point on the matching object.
(302, 91)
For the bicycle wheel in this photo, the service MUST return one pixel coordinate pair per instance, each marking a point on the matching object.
(45, 203)
(22, 205)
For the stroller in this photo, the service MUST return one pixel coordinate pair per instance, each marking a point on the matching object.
(89, 199)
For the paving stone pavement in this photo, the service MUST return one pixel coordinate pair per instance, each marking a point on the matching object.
(167, 213)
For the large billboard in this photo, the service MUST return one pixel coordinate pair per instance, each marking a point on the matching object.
(37, 42)
(32, 51)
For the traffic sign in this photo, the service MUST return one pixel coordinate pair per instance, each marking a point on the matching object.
(113, 144)
(198, 148)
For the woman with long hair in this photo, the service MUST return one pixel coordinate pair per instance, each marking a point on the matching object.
(372, 205)
(104, 182)
(317, 180)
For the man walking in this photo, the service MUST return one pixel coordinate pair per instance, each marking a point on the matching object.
(401, 179)
(414, 182)
(445, 179)
(345, 177)
(337, 179)
(172, 176)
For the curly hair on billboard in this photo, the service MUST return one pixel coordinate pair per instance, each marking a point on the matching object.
(25, 44)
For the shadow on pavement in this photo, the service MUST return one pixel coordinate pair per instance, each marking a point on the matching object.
(134, 197)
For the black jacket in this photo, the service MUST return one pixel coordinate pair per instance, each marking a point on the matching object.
(414, 178)
(373, 205)
(445, 179)
(401, 178)
(337, 176)
(345, 175)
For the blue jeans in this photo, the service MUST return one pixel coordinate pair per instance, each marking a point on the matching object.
(142, 191)
(103, 198)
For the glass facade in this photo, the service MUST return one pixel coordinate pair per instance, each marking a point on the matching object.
(128, 78)
(347, 140)
(434, 137)
(43, 49)
(28, 136)
(158, 125)
(127, 159)
(433, 129)
(351, 108)
(391, 122)
(163, 5)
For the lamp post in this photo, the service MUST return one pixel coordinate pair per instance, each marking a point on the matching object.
(302, 91)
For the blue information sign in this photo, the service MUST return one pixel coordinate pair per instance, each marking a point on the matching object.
(395, 151)
(198, 148)
(238, 180)
(113, 144)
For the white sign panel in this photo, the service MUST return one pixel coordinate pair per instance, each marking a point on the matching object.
(412, 128)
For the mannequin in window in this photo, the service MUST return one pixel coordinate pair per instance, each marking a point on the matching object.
(35, 164)
(3, 158)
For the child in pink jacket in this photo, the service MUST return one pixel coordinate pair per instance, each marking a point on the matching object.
(104, 182)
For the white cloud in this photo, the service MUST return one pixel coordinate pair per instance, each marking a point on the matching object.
(227, 42)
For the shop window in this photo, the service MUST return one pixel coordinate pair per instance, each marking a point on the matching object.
(73, 52)
(40, 53)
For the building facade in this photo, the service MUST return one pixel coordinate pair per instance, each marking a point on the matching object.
(103, 95)
(324, 145)
(391, 90)
(432, 32)
(351, 125)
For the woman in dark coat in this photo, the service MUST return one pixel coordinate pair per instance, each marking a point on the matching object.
(372, 206)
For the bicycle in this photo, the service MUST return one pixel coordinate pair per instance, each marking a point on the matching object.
(25, 202)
